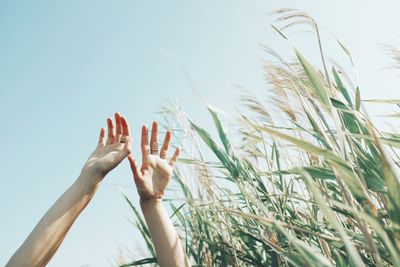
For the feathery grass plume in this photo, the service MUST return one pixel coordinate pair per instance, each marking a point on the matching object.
(319, 189)
(394, 53)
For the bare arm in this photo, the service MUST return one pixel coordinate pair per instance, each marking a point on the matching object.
(47, 236)
(151, 182)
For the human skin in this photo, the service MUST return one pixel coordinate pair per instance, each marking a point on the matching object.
(151, 180)
(47, 236)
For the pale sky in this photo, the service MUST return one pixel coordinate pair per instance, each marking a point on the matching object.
(67, 65)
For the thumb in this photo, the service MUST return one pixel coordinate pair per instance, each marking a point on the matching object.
(137, 175)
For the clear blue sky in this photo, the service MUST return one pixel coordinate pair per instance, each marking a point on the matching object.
(67, 65)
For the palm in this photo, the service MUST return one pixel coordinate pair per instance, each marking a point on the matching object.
(108, 155)
(155, 173)
(105, 158)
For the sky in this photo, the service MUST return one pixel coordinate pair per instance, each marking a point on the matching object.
(65, 66)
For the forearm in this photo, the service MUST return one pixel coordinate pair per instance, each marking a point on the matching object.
(169, 249)
(46, 237)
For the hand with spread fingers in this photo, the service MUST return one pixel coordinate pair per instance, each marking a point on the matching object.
(109, 154)
(47, 236)
(156, 171)
(151, 181)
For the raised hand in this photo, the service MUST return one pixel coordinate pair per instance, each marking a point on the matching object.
(109, 154)
(156, 171)
(46, 237)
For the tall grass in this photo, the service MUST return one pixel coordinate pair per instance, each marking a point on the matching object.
(316, 187)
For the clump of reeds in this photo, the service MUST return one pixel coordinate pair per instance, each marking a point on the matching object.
(319, 188)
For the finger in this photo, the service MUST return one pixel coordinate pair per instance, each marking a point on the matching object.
(154, 138)
(125, 137)
(145, 142)
(125, 127)
(172, 162)
(164, 148)
(101, 137)
(136, 172)
(110, 126)
(118, 128)
(128, 146)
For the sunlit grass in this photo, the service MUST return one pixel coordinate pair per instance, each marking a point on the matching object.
(319, 188)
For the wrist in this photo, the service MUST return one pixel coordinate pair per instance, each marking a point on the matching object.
(90, 178)
(145, 195)
(150, 203)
